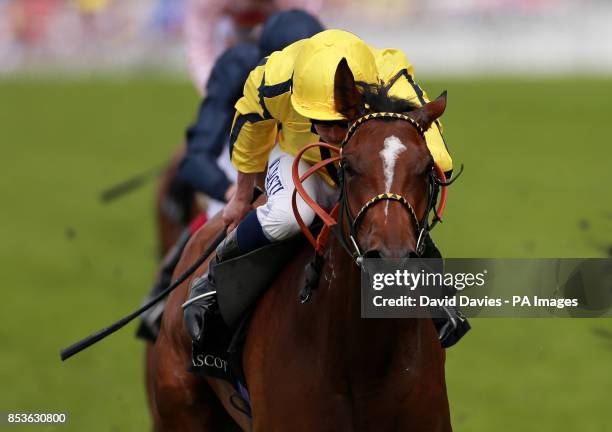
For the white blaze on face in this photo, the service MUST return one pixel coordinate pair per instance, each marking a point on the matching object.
(389, 155)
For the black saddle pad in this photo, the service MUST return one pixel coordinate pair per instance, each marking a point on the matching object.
(219, 355)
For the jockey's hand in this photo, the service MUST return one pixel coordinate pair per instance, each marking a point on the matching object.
(235, 211)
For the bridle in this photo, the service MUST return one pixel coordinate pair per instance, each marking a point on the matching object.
(422, 227)
(341, 213)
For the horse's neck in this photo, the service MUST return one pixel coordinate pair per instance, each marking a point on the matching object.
(394, 367)
(370, 346)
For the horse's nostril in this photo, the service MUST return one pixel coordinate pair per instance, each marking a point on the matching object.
(372, 253)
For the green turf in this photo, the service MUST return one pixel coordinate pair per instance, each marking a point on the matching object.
(537, 162)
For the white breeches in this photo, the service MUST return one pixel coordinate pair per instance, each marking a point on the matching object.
(276, 216)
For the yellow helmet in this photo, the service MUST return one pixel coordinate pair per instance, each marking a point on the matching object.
(315, 68)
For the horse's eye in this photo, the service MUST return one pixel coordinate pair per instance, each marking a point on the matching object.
(348, 169)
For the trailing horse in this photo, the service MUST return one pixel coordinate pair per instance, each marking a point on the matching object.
(317, 365)
(175, 204)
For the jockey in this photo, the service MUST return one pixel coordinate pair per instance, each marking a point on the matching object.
(206, 167)
(207, 138)
(290, 98)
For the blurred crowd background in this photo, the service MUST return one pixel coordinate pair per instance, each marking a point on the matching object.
(93, 92)
(444, 36)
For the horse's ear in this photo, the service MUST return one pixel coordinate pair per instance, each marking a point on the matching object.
(348, 100)
(430, 112)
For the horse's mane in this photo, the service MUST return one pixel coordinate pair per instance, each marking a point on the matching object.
(378, 99)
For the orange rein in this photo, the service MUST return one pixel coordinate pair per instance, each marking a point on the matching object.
(329, 218)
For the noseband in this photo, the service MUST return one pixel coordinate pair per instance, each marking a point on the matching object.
(437, 183)
(391, 197)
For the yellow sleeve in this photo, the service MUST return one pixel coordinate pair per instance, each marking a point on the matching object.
(393, 64)
(253, 131)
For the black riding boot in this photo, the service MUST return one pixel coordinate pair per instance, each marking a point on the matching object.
(151, 318)
(203, 295)
(453, 326)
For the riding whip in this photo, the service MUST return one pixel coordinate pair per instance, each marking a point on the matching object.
(101, 334)
(131, 184)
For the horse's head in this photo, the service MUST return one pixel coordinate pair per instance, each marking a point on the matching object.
(386, 166)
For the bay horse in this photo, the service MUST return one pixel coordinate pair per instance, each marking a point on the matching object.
(318, 366)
